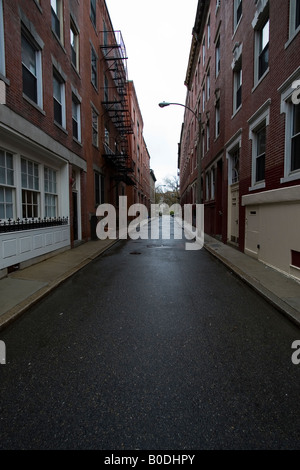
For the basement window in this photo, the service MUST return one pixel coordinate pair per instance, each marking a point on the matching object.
(295, 255)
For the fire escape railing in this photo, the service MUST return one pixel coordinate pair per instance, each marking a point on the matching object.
(118, 111)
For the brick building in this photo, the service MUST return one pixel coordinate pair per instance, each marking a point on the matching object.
(241, 78)
(65, 123)
(140, 192)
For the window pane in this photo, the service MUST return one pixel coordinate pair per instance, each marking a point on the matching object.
(296, 119)
(260, 168)
(28, 56)
(297, 14)
(295, 161)
(1, 194)
(8, 195)
(2, 175)
(265, 34)
(10, 177)
(261, 141)
(29, 84)
(239, 10)
(56, 89)
(57, 112)
(2, 158)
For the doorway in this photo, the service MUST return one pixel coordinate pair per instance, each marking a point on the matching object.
(75, 215)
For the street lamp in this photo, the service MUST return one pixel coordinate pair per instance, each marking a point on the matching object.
(164, 104)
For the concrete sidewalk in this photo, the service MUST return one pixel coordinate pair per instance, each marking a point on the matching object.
(21, 289)
(280, 290)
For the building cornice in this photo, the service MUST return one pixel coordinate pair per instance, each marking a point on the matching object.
(200, 21)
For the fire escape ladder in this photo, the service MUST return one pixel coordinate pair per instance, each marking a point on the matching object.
(117, 109)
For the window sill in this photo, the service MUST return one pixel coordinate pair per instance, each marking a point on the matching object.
(59, 41)
(4, 79)
(260, 80)
(61, 127)
(292, 37)
(257, 186)
(291, 177)
(77, 141)
(35, 105)
(75, 70)
(236, 112)
(38, 6)
(237, 26)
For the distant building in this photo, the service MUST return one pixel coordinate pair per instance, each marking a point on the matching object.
(140, 192)
(152, 187)
(65, 122)
(243, 68)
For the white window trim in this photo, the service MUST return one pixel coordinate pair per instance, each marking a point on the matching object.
(63, 100)
(236, 75)
(262, 115)
(217, 119)
(287, 91)
(39, 79)
(59, 15)
(218, 55)
(292, 31)
(236, 23)
(231, 146)
(78, 119)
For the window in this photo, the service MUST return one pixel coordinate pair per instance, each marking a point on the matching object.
(106, 136)
(94, 67)
(93, 12)
(2, 49)
(99, 189)
(203, 99)
(208, 32)
(294, 18)
(57, 18)
(59, 99)
(235, 165)
(218, 57)
(217, 110)
(6, 185)
(74, 40)
(94, 128)
(207, 136)
(207, 188)
(50, 188)
(31, 69)
(263, 52)
(76, 120)
(238, 9)
(237, 88)
(292, 129)
(203, 51)
(295, 141)
(257, 133)
(208, 85)
(30, 188)
(213, 183)
(260, 155)
(106, 89)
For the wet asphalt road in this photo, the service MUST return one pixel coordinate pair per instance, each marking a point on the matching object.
(150, 347)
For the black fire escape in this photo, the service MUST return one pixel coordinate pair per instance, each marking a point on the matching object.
(118, 111)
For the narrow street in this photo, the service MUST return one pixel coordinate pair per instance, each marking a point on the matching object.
(150, 347)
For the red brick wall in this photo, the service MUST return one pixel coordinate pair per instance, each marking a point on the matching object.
(282, 63)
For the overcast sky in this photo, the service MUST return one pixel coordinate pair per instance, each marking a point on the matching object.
(157, 35)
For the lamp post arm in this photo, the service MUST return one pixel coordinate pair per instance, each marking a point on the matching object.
(164, 104)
